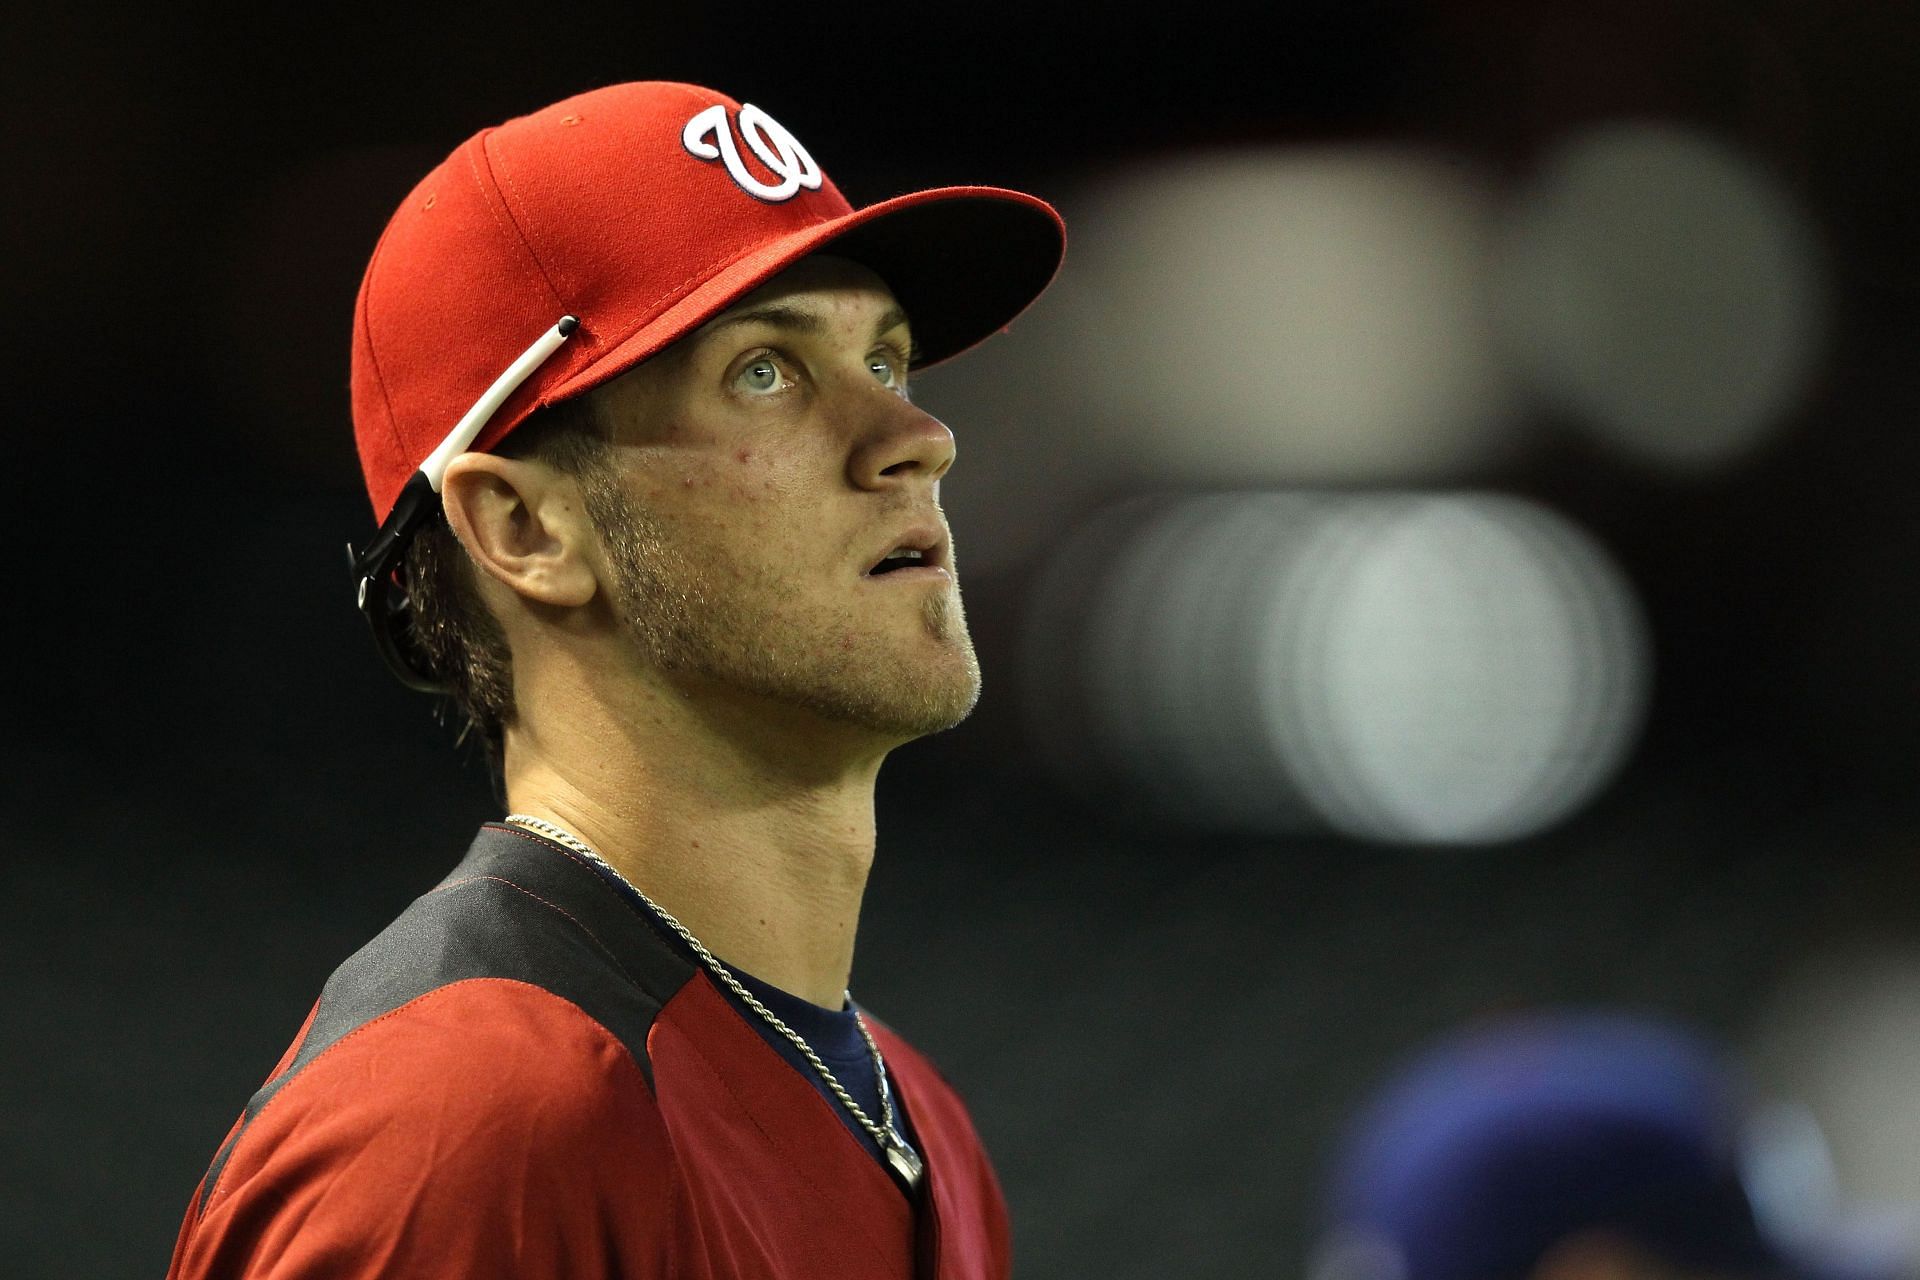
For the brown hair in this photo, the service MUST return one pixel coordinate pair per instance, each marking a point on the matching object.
(450, 622)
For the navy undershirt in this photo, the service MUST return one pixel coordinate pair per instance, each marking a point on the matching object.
(833, 1034)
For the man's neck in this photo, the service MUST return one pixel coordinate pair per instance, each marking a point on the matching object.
(764, 862)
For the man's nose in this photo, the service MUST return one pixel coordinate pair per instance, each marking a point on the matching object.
(902, 443)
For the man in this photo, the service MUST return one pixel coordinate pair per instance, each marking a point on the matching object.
(630, 389)
(1589, 1145)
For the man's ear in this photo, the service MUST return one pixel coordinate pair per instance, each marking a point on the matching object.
(524, 524)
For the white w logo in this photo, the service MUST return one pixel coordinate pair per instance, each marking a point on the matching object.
(779, 150)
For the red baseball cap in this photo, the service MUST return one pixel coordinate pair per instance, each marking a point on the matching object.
(639, 211)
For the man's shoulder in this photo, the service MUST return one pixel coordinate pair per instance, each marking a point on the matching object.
(482, 1092)
(489, 1046)
(518, 986)
(478, 1054)
(518, 910)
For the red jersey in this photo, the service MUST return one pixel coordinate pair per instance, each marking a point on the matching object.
(522, 1077)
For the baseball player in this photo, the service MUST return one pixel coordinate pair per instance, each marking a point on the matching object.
(631, 392)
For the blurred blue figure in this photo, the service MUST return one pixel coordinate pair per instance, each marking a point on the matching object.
(1586, 1146)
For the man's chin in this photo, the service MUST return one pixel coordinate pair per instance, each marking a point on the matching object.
(906, 712)
(910, 699)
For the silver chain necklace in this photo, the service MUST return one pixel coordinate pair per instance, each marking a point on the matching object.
(904, 1159)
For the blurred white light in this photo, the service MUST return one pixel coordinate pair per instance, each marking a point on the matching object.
(1398, 667)
(1278, 317)
(1787, 1169)
(1663, 291)
(1842, 1035)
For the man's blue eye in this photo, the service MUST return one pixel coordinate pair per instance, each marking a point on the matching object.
(761, 375)
(883, 369)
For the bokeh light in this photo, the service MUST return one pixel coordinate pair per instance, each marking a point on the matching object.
(1661, 289)
(1293, 316)
(1401, 667)
(1841, 1033)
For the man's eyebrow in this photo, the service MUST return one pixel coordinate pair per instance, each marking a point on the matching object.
(799, 319)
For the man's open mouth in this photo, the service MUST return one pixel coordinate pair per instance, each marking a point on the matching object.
(924, 546)
(901, 558)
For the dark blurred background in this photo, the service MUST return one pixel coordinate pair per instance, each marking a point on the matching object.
(1650, 267)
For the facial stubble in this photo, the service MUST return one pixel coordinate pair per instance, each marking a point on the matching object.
(694, 611)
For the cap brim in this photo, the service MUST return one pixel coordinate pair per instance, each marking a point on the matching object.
(963, 262)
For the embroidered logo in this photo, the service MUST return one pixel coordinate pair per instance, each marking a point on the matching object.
(766, 137)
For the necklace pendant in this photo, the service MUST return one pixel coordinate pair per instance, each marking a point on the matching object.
(905, 1161)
